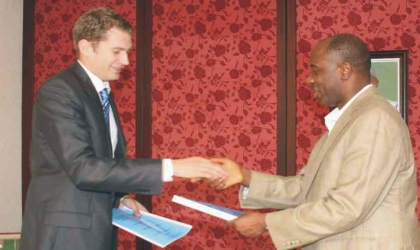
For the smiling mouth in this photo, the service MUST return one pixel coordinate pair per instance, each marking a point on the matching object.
(315, 91)
(118, 69)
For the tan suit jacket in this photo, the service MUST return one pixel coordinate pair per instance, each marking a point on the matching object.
(358, 190)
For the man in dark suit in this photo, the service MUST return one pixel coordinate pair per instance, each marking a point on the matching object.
(78, 165)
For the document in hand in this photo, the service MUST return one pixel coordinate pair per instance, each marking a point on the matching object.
(153, 228)
(218, 211)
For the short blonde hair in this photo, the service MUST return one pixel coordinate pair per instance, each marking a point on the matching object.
(94, 24)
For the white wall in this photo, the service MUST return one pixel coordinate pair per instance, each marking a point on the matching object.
(11, 33)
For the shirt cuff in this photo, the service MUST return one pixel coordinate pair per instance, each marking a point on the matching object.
(125, 196)
(245, 193)
(167, 171)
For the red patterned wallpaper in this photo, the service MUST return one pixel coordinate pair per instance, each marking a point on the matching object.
(214, 94)
(384, 25)
(54, 20)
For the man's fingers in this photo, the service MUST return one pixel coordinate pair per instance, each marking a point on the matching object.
(229, 223)
(221, 186)
(197, 179)
(215, 172)
(220, 161)
(213, 181)
(197, 167)
(218, 184)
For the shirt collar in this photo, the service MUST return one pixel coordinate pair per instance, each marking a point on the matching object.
(97, 82)
(334, 115)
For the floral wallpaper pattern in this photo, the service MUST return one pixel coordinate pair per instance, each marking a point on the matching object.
(383, 25)
(54, 20)
(214, 94)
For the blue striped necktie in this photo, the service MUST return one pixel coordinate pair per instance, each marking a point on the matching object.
(105, 104)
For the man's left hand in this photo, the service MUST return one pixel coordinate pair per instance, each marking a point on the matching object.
(250, 224)
(133, 205)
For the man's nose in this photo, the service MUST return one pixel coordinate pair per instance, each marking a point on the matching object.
(124, 59)
(309, 80)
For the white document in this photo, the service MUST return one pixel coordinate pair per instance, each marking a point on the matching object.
(217, 211)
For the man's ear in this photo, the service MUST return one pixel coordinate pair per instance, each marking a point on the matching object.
(85, 48)
(346, 69)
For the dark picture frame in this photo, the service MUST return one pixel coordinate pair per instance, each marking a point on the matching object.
(391, 69)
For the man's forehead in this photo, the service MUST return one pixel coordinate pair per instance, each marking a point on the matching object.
(322, 53)
(117, 38)
(320, 50)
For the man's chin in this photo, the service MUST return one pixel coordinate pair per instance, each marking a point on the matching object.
(321, 100)
(114, 77)
(326, 103)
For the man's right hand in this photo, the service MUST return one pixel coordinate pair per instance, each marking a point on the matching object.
(237, 174)
(198, 167)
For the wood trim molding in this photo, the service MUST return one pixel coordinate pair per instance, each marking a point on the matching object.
(291, 87)
(286, 87)
(9, 236)
(27, 90)
(144, 94)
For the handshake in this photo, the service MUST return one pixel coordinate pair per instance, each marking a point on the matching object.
(219, 172)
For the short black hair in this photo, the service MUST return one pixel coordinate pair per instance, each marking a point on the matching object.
(350, 48)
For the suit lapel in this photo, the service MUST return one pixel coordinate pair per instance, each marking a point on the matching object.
(89, 89)
(339, 127)
(86, 84)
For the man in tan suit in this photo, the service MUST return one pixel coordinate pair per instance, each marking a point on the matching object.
(358, 190)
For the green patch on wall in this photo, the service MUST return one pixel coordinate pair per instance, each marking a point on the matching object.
(9, 245)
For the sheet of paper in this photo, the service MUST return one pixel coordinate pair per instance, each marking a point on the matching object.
(153, 228)
(215, 210)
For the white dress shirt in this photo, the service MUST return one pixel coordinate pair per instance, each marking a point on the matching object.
(334, 115)
(99, 86)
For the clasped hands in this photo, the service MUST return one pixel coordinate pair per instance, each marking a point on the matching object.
(250, 224)
(194, 168)
(220, 173)
(236, 174)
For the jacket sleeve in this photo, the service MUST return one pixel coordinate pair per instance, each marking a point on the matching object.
(272, 191)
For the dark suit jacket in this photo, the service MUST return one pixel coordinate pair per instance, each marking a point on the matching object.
(75, 180)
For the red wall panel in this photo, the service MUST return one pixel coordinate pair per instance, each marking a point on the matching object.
(214, 94)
